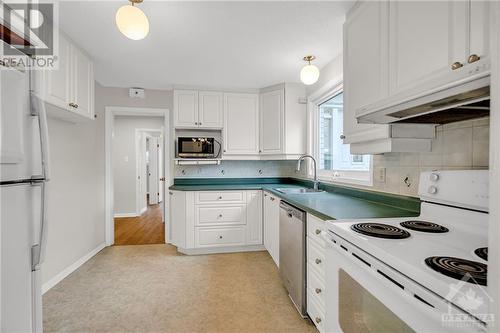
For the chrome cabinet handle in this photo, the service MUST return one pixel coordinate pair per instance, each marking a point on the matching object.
(318, 261)
(318, 231)
(318, 320)
(199, 124)
(290, 215)
(171, 193)
(220, 215)
(272, 199)
(220, 198)
(473, 58)
(456, 65)
(220, 237)
(73, 105)
(318, 290)
(342, 137)
(196, 123)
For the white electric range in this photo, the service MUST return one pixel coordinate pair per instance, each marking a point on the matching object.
(423, 274)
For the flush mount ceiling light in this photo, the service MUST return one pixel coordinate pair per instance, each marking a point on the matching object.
(131, 21)
(309, 73)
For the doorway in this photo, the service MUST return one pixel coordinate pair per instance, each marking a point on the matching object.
(137, 172)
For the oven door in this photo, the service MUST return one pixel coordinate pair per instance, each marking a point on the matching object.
(365, 295)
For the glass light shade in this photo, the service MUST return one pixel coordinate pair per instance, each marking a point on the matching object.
(309, 74)
(132, 22)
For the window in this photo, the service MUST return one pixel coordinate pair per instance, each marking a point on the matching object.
(335, 161)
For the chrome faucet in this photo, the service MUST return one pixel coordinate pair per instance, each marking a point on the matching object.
(316, 182)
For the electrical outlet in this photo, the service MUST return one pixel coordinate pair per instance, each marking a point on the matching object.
(381, 175)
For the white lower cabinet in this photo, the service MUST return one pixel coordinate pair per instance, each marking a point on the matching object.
(272, 226)
(216, 221)
(316, 271)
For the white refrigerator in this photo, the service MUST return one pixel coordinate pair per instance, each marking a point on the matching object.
(24, 171)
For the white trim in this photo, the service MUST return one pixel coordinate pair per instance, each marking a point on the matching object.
(318, 97)
(224, 249)
(109, 113)
(70, 269)
(126, 215)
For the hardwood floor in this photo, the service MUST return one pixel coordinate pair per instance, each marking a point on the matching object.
(145, 229)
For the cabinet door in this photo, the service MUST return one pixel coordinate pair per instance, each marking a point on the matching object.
(185, 108)
(272, 122)
(267, 222)
(57, 82)
(83, 83)
(479, 29)
(210, 109)
(365, 68)
(426, 38)
(178, 217)
(241, 124)
(254, 217)
(275, 234)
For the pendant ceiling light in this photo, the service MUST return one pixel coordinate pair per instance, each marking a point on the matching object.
(309, 73)
(131, 21)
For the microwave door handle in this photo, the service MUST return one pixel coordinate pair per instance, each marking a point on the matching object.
(38, 110)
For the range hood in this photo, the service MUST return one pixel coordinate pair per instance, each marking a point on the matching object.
(453, 103)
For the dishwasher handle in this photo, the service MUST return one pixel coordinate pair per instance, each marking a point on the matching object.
(292, 211)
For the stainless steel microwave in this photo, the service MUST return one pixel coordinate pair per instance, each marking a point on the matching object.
(192, 147)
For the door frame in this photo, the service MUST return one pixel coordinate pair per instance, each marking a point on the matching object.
(139, 153)
(109, 116)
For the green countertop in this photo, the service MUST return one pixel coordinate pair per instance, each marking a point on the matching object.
(337, 202)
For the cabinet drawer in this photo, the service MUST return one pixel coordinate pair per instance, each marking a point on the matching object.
(316, 258)
(316, 312)
(220, 215)
(315, 285)
(315, 227)
(228, 236)
(220, 196)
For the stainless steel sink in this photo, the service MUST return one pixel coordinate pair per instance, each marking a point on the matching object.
(297, 190)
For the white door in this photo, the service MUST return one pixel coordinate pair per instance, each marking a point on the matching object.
(426, 38)
(479, 29)
(83, 83)
(153, 171)
(57, 83)
(272, 121)
(185, 108)
(161, 173)
(241, 124)
(365, 67)
(271, 226)
(210, 109)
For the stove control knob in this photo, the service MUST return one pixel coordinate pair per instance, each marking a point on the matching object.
(432, 190)
(434, 177)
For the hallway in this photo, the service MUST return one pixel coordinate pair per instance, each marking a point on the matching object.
(145, 229)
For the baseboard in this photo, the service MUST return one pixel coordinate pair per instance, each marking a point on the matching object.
(222, 249)
(70, 269)
(126, 215)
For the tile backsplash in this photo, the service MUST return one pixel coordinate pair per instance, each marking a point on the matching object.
(237, 169)
(460, 145)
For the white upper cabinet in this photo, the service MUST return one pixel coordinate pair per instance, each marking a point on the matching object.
(186, 108)
(241, 124)
(365, 67)
(272, 121)
(210, 109)
(426, 38)
(70, 87)
(283, 119)
(57, 81)
(83, 83)
(198, 109)
(479, 15)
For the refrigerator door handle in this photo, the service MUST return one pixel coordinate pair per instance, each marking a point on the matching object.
(38, 110)
(38, 250)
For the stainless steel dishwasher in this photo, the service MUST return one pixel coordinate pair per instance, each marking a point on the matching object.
(292, 254)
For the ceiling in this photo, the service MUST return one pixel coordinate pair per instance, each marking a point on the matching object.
(213, 44)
